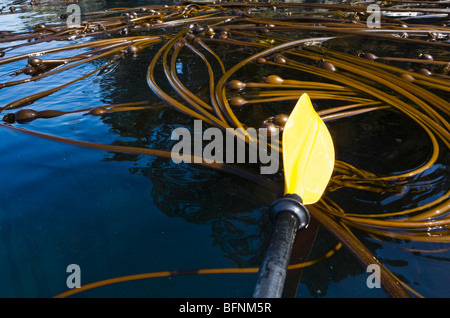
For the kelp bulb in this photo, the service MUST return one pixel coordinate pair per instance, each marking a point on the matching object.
(326, 65)
(368, 56)
(424, 71)
(279, 59)
(407, 77)
(425, 57)
(34, 61)
(237, 101)
(273, 79)
(280, 119)
(25, 115)
(210, 31)
(236, 85)
(132, 50)
(97, 111)
(272, 129)
(29, 70)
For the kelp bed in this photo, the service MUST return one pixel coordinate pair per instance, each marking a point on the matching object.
(254, 60)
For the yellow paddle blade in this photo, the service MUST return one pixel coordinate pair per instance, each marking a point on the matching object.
(308, 152)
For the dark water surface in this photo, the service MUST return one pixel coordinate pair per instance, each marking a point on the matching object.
(122, 214)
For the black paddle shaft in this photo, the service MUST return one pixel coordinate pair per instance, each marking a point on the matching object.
(289, 216)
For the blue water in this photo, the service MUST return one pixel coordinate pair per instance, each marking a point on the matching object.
(64, 205)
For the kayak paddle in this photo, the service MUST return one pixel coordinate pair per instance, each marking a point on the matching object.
(308, 162)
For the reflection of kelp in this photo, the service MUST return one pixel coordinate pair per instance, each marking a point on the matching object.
(205, 196)
(211, 193)
(343, 265)
(239, 65)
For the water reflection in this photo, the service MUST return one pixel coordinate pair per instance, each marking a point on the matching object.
(235, 211)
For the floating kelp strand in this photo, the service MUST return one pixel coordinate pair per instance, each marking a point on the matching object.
(220, 86)
(263, 38)
(340, 95)
(412, 60)
(164, 96)
(258, 179)
(353, 62)
(428, 211)
(345, 168)
(38, 39)
(213, 101)
(275, 96)
(387, 98)
(414, 31)
(82, 56)
(426, 165)
(13, 37)
(142, 44)
(436, 86)
(348, 110)
(337, 109)
(230, 41)
(282, 83)
(350, 113)
(113, 108)
(424, 220)
(277, 81)
(64, 34)
(180, 22)
(438, 211)
(189, 272)
(421, 233)
(386, 67)
(94, 44)
(32, 98)
(400, 86)
(417, 236)
(362, 33)
(186, 94)
(428, 251)
(358, 184)
(416, 2)
(399, 224)
(27, 115)
(196, 103)
(399, 176)
(332, 7)
(207, 48)
(388, 280)
(432, 159)
(240, 101)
